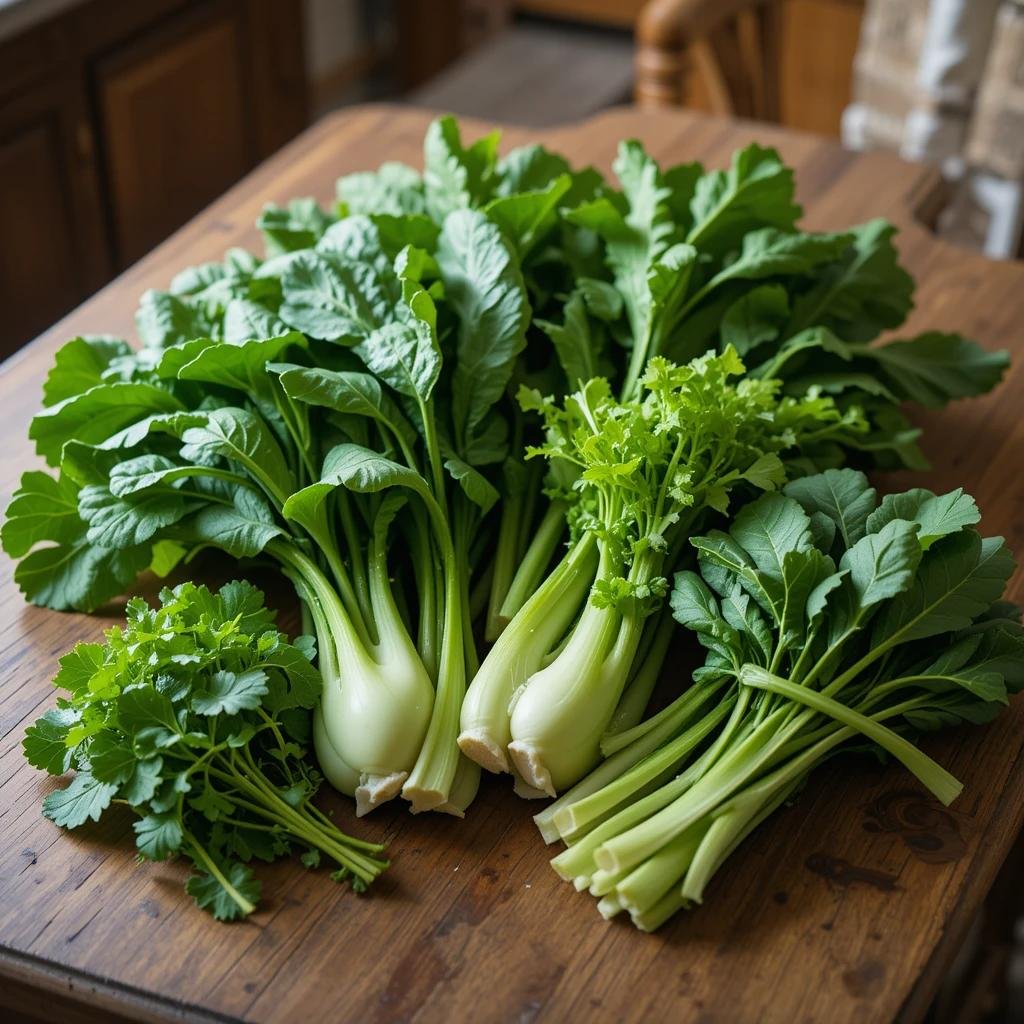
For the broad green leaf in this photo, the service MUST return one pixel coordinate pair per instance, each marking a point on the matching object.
(405, 356)
(807, 578)
(454, 176)
(484, 287)
(602, 299)
(358, 394)
(242, 529)
(393, 189)
(724, 564)
(84, 799)
(638, 236)
(695, 607)
(354, 240)
(528, 169)
(474, 484)
(164, 319)
(861, 295)
(755, 192)
(681, 182)
(97, 414)
(79, 365)
(245, 319)
(755, 318)
(843, 495)
(769, 529)
(241, 437)
(242, 366)
(526, 217)
(43, 508)
(328, 297)
(957, 667)
(578, 345)
(958, 579)
(126, 522)
(936, 515)
(743, 614)
(769, 252)
(395, 233)
(137, 474)
(357, 468)
(881, 565)
(934, 368)
(298, 226)
(78, 575)
(797, 362)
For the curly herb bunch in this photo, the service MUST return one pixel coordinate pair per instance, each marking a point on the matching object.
(196, 715)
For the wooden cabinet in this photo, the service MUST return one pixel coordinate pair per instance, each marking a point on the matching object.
(119, 122)
(174, 119)
(53, 250)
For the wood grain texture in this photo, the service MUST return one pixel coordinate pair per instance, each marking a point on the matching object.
(846, 907)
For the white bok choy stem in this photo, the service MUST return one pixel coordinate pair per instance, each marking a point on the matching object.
(377, 697)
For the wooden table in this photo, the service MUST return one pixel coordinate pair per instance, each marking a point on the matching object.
(848, 906)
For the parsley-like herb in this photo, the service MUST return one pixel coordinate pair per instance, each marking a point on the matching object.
(197, 715)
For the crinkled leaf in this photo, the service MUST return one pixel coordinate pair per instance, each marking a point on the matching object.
(84, 799)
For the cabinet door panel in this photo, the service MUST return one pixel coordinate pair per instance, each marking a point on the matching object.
(176, 129)
(53, 251)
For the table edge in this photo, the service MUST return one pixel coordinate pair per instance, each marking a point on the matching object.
(94, 993)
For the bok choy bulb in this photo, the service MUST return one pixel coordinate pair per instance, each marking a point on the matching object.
(648, 471)
(377, 695)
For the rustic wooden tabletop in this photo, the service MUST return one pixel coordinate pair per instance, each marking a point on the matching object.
(847, 906)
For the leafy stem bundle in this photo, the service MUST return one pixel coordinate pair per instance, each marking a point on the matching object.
(831, 619)
(679, 261)
(196, 715)
(646, 472)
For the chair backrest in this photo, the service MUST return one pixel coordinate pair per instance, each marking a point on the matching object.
(730, 46)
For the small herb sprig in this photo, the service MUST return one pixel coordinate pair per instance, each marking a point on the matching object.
(196, 714)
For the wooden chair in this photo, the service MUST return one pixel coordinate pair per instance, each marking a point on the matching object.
(732, 46)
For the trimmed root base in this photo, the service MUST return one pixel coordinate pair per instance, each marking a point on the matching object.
(528, 763)
(525, 791)
(374, 790)
(479, 747)
(421, 799)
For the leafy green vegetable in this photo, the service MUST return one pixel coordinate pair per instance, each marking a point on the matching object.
(882, 625)
(345, 407)
(647, 473)
(196, 715)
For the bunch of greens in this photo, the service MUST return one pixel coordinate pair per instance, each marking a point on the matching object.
(647, 470)
(679, 261)
(311, 407)
(344, 407)
(196, 714)
(831, 619)
(675, 263)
